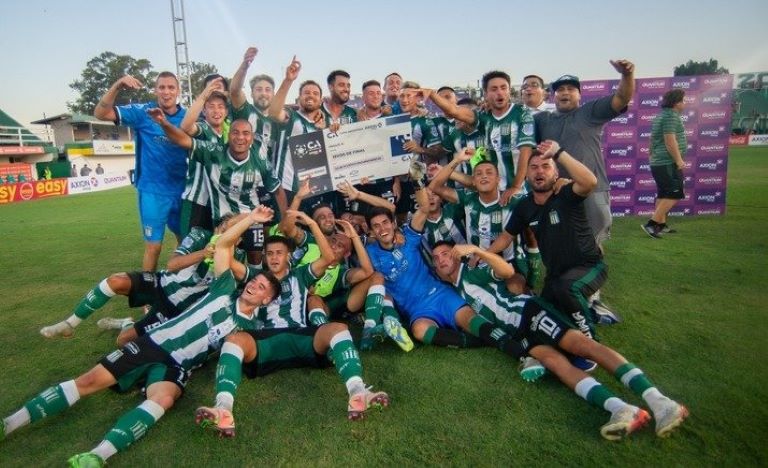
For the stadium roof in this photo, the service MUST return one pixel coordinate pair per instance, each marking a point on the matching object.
(73, 118)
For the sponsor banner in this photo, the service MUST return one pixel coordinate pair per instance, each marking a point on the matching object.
(653, 85)
(625, 119)
(21, 150)
(34, 190)
(649, 100)
(717, 82)
(708, 180)
(621, 182)
(622, 198)
(708, 148)
(680, 210)
(620, 166)
(758, 140)
(710, 196)
(688, 83)
(619, 134)
(621, 212)
(714, 99)
(645, 197)
(709, 210)
(113, 147)
(721, 115)
(711, 164)
(595, 89)
(714, 132)
(645, 117)
(644, 181)
(97, 183)
(738, 140)
(625, 150)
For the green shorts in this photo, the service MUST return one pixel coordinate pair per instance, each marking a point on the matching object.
(284, 348)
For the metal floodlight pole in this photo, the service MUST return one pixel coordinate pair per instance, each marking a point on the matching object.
(183, 65)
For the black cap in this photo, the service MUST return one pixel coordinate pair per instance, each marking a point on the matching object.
(566, 79)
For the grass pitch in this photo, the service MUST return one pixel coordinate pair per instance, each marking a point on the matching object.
(694, 305)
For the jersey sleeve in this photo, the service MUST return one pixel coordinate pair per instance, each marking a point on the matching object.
(600, 111)
(196, 240)
(305, 276)
(132, 115)
(431, 135)
(526, 131)
(204, 151)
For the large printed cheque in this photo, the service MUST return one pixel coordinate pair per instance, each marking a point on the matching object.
(371, 149)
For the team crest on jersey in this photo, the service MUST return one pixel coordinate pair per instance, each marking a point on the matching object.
(398, 255)
(496, 217)
(528, 129)
(554, 218)
(506, 130)
(187, 242)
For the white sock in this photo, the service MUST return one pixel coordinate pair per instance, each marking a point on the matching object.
(16, 420)
(73, 320)
(104, 287)
(369, 323)
(104, 450)
(355, 385)
(225, 400)
(614, 404)
(654, 398)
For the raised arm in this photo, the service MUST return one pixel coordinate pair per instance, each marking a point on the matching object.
(189, 123)
(349, 191)
(584, 181)
(288, 223)
(356, 275)
(326, 253)
(105, 109)
(626, 84)
(419, 218)
(223, 256)
(450, 109)
(276, 107)
(500, 267)
(176, 135)
(237, 96)
(438, 184)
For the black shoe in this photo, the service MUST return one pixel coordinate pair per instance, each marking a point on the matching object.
(653, 231)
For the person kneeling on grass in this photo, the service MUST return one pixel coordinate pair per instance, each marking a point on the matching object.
(167, 293)
(164, 357)
(286, 337)
(548, 334)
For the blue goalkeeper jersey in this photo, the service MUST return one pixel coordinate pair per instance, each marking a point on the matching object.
(161, 166)
(408, 279)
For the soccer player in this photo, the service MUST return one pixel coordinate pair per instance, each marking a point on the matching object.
(168, 292)
(161, 166)
(392, 84)
(506, 126)
(163, 358)
(547, 334)
(285, 338)
(464, 136)
(444, 124)
(372, 107)
(335, 107)
(235, 171)
(436, 313)
(212, 102)
(308, 118)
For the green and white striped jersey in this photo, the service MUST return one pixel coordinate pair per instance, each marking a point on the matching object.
(447, 227)
(185, 287)
(488, 296)
(265, 130)
(485, 222)
(457, 140)
(424, 132)
(200, 331)
(348, 114)
(297, 124)
(503, 136)
(232, 184)
(289, 309)
(444, 126)
(196, 188)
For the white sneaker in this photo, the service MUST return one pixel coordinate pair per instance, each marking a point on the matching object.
(63, 329)
(531, 369)
(624, 422)
(669, 416)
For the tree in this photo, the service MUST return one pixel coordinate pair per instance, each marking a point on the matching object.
(700, 68)
(103, 70)
(199, 72)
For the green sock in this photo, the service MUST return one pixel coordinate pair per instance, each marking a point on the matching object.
(596, 394)
(317, 317)
(52, 401)
(229, 370)
(445, 337)
(633, 378)
(374, 302)
(345, 356)
(94, 300)
(492, 335)
(134, 424)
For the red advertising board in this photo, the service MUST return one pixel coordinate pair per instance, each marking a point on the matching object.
(738, 140)
(24, 191)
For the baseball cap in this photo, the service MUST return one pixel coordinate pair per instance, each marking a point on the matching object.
(566, 79)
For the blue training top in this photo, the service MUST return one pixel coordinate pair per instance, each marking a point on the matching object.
(408, 279)
(161, 166)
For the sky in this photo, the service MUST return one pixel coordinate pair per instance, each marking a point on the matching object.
(47, 43)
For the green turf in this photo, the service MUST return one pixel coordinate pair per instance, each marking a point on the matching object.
(694, 305)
